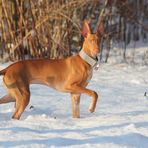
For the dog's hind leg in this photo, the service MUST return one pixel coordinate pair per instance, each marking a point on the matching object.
(6, 99)
(19, 90)
(22, 100)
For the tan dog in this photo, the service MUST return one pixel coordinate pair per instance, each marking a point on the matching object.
(69, 75)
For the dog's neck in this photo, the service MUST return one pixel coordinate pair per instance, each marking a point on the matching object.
(88, 59)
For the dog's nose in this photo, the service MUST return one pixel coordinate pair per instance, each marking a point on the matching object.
(96, 51)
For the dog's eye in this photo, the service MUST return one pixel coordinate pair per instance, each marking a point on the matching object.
(94, 41)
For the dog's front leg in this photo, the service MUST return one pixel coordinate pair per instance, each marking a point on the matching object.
(78, 90)
(75, 105)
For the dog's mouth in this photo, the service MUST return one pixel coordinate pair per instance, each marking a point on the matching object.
(95, 54)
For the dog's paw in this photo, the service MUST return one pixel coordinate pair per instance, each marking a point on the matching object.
(92, 107)
(91, 110)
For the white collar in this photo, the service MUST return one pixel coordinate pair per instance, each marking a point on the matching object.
(91, 61)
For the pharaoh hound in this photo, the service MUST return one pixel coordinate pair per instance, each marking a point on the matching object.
(70, 75)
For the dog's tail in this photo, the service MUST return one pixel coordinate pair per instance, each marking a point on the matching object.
(2, 72)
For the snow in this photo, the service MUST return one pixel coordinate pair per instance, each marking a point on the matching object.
(120, 120)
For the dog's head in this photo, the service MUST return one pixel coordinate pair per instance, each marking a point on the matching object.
(91, 44)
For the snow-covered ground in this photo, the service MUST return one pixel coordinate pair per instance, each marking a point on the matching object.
(120, 120)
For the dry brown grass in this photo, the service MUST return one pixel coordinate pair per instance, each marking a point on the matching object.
(52, 28)
(42, 28)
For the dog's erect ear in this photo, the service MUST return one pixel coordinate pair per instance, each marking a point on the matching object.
(99, 30)
(86, 28)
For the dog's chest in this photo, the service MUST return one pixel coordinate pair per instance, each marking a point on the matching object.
(89, 76)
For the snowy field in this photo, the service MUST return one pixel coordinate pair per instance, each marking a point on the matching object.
(120, 120)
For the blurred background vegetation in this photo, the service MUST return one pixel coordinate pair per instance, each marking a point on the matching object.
(52, 28)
